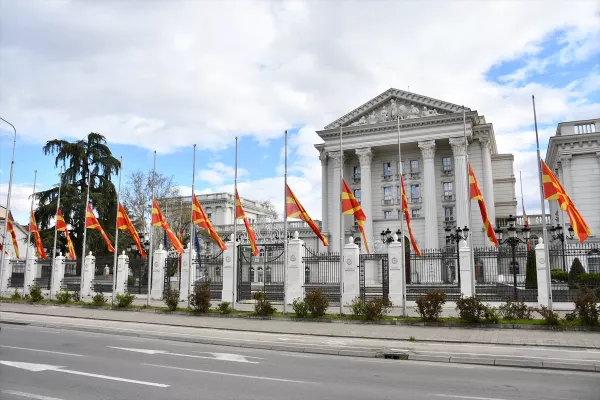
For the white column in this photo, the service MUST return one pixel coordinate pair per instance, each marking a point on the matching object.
(365, 157)
(185, 274)
(324, 198)
(351, 288)
(395, 254)
(429, 194)
(460, 181)
(466, 272)
(227, 294)
(89, 269)
(122, 273)
(30, 272)
(565, 162)
(158, 273)
(541, 266)
(488, 179)
(295, 270)
(5, 273)
(58, 273)
(334, 229)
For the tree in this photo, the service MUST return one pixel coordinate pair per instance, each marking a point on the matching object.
(89, 155)
(576, 270)
(531, 271)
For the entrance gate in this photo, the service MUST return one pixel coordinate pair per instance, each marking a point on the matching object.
(137, 276)
(209, 269)
(379, 283)
(263, 272)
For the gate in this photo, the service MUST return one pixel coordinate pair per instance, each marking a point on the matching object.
(263, 272)
(209, 269)
(322, 271)
(103, 282)
(435, 269)
(137, 278)
(17, 278)
(71, 279)
(171, 269)
(44, 281)
(376, 267)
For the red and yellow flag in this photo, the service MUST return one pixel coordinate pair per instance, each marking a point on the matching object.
(61, 226)
(477, 195)
(201, 219)
(553, 190)
(125, 224)
(91, 222)
(294, 209)
(239, 214)
(39, 247)
(526, 223)
(351, 206)
(158, 219)
(13, 235)
(413, 241)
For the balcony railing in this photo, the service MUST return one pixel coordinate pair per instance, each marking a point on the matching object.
(415, 199)
(415, 175)
(387, 201)
(356, 178)
(387, 177)
(447, 172)
(448, 197)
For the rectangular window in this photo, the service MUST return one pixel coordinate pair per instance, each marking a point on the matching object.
(446, 163)
(449, 213)
(356, 173)
(387, 215)
(387, 169)
(398, 192)
(357, 194)
(387, 193)
(400, 167)
(448, 189)
(414, 165)
(209, 215)
(415, 191)
(416, 212)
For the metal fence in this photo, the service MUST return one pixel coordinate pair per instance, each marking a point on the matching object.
(17, 278)
(137, 279)
(209, 268)
(263, 272)
(103, 282)
(72, 277)
(44, 280)
(322, 271)
(562, 256)
(435, 269)
(374, 276)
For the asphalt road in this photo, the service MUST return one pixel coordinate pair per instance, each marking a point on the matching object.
(51, 364)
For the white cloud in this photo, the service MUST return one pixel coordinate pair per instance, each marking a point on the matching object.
(20, 200)
(217, 173)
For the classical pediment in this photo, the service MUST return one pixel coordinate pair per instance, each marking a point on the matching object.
(393, 103)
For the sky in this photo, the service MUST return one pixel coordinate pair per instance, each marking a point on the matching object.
(165, 75)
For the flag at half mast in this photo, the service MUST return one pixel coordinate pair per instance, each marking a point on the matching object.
(125, 224)
(200, 218)
(239, 214)
(13, 235)
(294, 209)
(158, 219)
(91, 222)
(39, 247)
(61, 226)
(477, 195)
(351, 206)
(413, 241)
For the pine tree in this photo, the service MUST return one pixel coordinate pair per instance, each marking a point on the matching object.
(531, 271)
(576, 270)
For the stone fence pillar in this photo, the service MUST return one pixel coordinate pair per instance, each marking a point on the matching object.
(184, 276)
(396, 273)
(542, 274)
(158, 273)
(5, 273)
(30, 273)
(467, 288)
(58, 274)
(228, 292)
(295, 270)
(350, 260)
(122, 273)
(87, 275)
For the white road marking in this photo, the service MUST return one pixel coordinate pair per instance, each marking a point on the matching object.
(215, 356)
(228, 356)
(57, 368)
(228, 374)
(503, 356)
(43, 351)
(29, 395)
(466, 397)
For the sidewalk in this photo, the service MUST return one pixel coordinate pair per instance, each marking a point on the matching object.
(565, 339)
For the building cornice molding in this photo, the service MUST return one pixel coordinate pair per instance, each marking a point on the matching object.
(573, 144)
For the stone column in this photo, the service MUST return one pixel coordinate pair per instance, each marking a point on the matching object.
(460, 181)
(58, 274)
(295, 270)
(466, 272)
(5, 273)
(122, 273)
(365, 157)
(184, 276)
(541, 266)
(350, 257)
(334, 229)
(565, 162)
(159, 261)
(228, 294)
(488, 178)
(89, 269)
(324, 194)
(429, 194)
(395, 254)
(30, 272)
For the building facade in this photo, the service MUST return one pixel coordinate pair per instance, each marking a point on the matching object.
(434, 155)
(20, 233)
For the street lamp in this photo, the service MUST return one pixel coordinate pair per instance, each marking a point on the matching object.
(513, 241)
(460, 234)
(558, 234)
(386, 236)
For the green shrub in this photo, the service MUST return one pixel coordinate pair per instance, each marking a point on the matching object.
(585, 307)
(35, 294)
(262, 307)
(559, 275)
(377, 309)
(99, 300)
(470, 309)
(531, 271)
(358, 307)
(63, 296)
(514, 310)
(131, 280)
(171, 299)
(200, 298)
(125, 300)
(225, 308)
(549, 316)
(317, 303)
(589, 280)
(15, 296)
(76, 295)
(490, 315)
(300, 308)
(576, 270)
(430, 305)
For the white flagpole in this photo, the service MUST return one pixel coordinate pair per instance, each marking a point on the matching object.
(285, 226)
(341, 224)
(12, 163)
(543, 204)
(29, 228)
(234, 280)
(87, 200)
(470, 238)
(192, 230)
(116, 257)
(56, 230)
(403, 261)
(151, 251)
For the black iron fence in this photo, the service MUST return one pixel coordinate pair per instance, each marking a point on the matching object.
(435, 269)
(17, 278)
(103, 271)
(374, 277)
(209, 268)
(72, 278)
(44, 280)
(137, 276)
(263, 272)
(322, 271)
(565, 283)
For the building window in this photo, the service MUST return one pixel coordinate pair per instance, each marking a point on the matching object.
(209, 215)
(448, 189)
(415, 191)
(251, 274)
(387, 169)
(268, 275)
(414, 165)
(416, 212)
(387, 193)
(446, 163)
(357, 194)
(307, 275)
(399, 193)
(449, 213)
(356, 175)
(400, 167)
(387, 214)
(260, 275)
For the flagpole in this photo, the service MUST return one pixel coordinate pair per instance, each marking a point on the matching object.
(470, 237)
(341, 224)
(285, 225)
(56, 230)
(192, 231)
(87, 200)
(403, 261)
(543, 204)
(29, 230)
(12, 163)
(151, 251)
(234, 280)
(116, 257)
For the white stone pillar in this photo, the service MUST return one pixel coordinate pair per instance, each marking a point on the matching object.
(324, 194)
(295, 270)
(158, 273)
(460, 181)
(89, 270)
(30, 272)
(228, 293)
(429, 194)
(488, 178)
(541, 266)
(395, 254)
(58, 273)
(334, 230)
(5, 273)
(122, 273)
(466, 272)
(184, 277)
(565, 162)
(350, 257)
(365, 156)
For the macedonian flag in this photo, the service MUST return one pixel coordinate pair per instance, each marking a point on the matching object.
(553, 190)
(125, 224)
(294, 209)
(39, 247)
(13, 235)
(351, 206)
(239, 214)
(413, 241)
(200, 218)
(477, 195)
(158, 219)
(91, 222)
(61, 226)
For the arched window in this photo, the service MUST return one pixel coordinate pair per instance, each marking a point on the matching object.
(251, 274)
(268, 276)
(260, 274)
(307, 275)
(261, 253)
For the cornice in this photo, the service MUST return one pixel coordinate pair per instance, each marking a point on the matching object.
(575, 144)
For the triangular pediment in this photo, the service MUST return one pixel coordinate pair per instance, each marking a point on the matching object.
(393, 103)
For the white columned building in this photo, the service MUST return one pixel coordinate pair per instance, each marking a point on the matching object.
(338, 161)
(324, 192)
(365, 156)
(431, 220)
(488, 178)
(460, 178)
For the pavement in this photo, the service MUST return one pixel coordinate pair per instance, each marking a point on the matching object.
(67, 364)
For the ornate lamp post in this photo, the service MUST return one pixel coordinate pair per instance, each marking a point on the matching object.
(513, 241)
(386, 236)
(457, 236)
(558, 234)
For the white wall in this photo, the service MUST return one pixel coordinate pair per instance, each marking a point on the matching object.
(585, 181)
